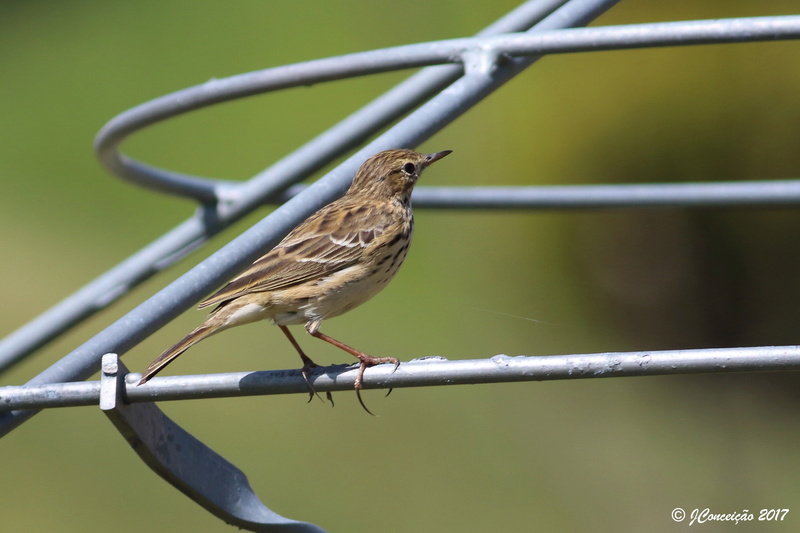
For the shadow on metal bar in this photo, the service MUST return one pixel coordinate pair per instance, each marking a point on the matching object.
(185, 462)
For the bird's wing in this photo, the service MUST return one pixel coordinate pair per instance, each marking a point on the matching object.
(333, 238)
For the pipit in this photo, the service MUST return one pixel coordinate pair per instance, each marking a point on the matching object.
(335, 260)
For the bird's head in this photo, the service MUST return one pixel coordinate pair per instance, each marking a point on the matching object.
(392, 173)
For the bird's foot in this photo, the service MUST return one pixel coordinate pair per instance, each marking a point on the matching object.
(308, 364)
(367, 361)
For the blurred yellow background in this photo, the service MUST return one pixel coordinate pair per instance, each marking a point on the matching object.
(584, 455)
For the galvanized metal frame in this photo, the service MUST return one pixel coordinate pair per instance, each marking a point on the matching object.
(467, 70)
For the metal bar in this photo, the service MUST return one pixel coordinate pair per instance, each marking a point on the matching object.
(186, 463)
(424, 372)
(244, 198)
(767, 193)
(142, 321)
(409, 56)
(727, 194)
(103, 291)
(224, 89)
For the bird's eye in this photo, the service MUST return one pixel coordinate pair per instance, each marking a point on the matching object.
(409, 168)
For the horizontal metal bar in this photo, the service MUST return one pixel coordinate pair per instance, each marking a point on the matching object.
(403, 57)
(417, 373)
(766, 193)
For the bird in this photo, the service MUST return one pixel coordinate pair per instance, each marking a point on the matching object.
(335, 260)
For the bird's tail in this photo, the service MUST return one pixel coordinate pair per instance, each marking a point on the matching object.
(198, 334)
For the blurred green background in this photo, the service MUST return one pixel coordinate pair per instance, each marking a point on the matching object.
(590, 455)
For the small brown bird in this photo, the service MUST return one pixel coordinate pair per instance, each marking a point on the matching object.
(335, 260)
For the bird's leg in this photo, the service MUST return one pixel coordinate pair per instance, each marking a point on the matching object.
(308, 364)
(366, 360)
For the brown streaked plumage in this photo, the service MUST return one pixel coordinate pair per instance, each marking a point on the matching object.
(335, 260)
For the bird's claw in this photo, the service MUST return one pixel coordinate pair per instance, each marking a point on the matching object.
(308, 364)
(367, 362)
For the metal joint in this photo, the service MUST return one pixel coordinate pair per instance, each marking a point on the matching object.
(482, 60)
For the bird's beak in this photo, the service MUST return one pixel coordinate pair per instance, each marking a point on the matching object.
(431, 158)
